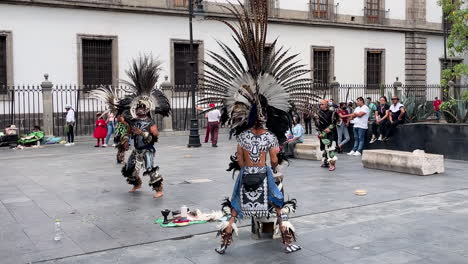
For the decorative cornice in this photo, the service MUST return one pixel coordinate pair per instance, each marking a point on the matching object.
(160, 8)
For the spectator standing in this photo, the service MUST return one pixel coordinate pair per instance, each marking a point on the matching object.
(437, 103)
(333, 105)
(307, 116)
(381, 120)
(342, 126)
(361, 119)
(396, 117)
(100, 132)
(297, 136)
(111, 123)
(350, 107)
(213, 116)
(372, 108)
(70, 125)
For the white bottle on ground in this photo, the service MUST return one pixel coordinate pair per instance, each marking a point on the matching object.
(58, 230)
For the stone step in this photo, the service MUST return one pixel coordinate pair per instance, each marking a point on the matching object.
(309, 150)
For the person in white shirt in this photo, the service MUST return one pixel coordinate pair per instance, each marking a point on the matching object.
(213, 116)
(70, 125)
(396, 117)
(361, 118)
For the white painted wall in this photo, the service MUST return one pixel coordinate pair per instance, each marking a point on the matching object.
(44, 40)
(301, 5)
(350, 7)
(433, 11)
(397, 9)
(435, 51)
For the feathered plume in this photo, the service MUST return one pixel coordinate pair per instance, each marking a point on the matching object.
(144, 76)
(263, 82)
(109, 96)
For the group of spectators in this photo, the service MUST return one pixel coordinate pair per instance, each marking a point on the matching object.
(381, 118)
(352, 117)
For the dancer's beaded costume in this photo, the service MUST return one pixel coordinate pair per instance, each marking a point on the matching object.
(136, 110)
(325, 122)
(259, 93)
(121, 139)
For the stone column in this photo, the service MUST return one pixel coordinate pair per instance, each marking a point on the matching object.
(166, 87)
(47, 106)
(451, 90)
(335, 88)
(396, 88)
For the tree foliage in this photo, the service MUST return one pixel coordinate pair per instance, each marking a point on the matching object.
(456, 12)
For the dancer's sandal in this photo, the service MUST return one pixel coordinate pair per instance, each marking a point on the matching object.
(226, 237)
(226, 240)
(288, 236)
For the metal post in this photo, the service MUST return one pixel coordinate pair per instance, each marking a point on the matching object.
(48, 109)
(194, 138)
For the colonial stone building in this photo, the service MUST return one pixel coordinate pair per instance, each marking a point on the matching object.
(92, 41)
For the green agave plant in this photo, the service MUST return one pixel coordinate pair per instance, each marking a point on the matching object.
(455, 111)
(417, 109)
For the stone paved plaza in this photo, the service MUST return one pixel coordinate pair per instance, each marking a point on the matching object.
(403, 218)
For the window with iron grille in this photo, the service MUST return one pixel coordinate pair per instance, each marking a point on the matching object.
(321, 68)
(182, 67)
(374, 69)
(451, 62)
(271, 4)
(373, 11)
(181, 3)
(97, 62)
(320, 9)
(3, 65)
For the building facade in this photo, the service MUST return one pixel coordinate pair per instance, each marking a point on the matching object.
(91, 42)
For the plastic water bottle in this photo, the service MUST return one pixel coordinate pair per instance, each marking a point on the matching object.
(58, 230)
(183, 211)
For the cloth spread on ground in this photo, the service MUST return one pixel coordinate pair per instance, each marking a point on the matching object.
(171, 224)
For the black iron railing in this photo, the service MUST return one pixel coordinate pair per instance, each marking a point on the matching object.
(321, 10)
(22, 106)
(374, 16)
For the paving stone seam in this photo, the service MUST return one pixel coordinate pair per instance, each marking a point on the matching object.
(246, 226)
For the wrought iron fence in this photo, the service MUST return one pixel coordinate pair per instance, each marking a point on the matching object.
(23, 106)
(86, 108)
(349, 92)
(181, 104)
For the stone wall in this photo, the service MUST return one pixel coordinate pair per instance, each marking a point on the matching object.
(450, 140)
(415, 58)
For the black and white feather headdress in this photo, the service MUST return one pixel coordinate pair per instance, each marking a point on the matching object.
(109, 96)
(261, 85)
(142, 89)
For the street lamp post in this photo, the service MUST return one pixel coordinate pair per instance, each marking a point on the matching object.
(194, 138)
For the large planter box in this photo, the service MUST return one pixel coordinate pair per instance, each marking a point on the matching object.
(450, 140)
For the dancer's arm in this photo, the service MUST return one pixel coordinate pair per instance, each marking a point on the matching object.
(274, 158)
(240, 156)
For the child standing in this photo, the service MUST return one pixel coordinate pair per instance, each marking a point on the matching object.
(100, 132)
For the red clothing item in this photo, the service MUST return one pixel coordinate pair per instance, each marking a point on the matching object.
(343, 112)
(437, 104)
(101, 129)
